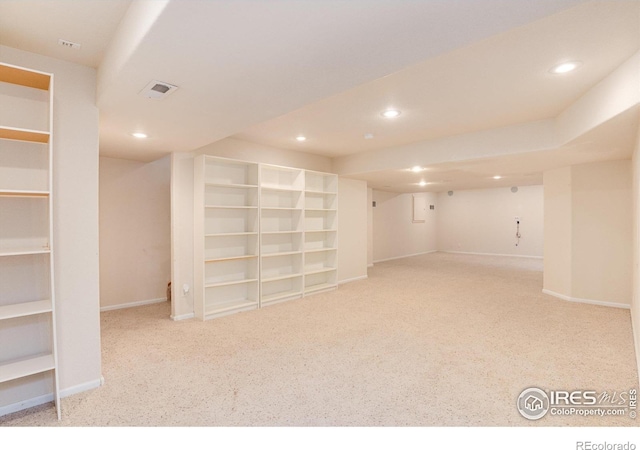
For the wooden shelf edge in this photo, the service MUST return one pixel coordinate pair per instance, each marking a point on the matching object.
(24, 252)
(212, 311)
(319, 287)
(230, 283)
(24, 77)
(26, 367)
(20, 193)
(281, 296)
(229, 258)
(318, 271)
(25, 135)
(281, 277)
(25, 309)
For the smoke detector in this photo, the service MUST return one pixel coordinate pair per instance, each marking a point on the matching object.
(157, 90)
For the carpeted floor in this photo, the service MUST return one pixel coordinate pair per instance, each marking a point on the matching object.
(432, 340)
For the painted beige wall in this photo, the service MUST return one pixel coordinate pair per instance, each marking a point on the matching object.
(369, 227)
(181, 235)
(134, 231)
(602, 231)
(635, 303)
(483, 221)
(75, 198)
(394, 233)
(588, 227)
(352, 230)
(557, 231)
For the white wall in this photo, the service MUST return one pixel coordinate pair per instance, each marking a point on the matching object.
(352, 230)
(75, 184)
(181, 235)
(602, 230)
(635, 303)
(588, 227)
(135, 231)
(395, 235)
(483, 221)
(369, 227)
(558, 230)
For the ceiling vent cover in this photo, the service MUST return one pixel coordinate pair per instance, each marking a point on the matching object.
(157, 90)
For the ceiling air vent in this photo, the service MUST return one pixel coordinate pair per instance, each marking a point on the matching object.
(157, 90)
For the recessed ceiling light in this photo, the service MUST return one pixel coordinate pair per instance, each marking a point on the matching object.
(139, 135)
(565, 67)
(391, 113)
(416, 169)
(497, 177)
(423, 183)
(301, 139)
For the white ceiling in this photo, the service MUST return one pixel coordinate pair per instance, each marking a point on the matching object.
(268, 71)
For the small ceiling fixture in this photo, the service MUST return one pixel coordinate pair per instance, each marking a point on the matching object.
(416, 169)
(69, 44)
(391, 113)
(565, 67)
(497, 177)
(423, 183)
(157, 90)
(139, 135)
(301, 139)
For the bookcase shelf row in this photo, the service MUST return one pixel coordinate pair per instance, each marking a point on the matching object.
(27, 293)
(275, 229)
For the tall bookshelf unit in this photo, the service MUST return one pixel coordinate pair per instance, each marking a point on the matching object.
(321, 231)
(28, 353)
(263, 234)
(281, 232)
(227, 237)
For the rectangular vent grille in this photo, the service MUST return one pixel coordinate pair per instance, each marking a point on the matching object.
(157, 90)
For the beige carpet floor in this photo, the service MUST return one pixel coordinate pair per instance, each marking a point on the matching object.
(432, 340)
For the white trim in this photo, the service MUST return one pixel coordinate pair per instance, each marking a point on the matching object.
(133, 304)
(183, 316)
(369, 265)
(491, 254)
(404, 256)
(636, 338)
(47, 398)
(587, 301)
(349, 280)
(82, 387)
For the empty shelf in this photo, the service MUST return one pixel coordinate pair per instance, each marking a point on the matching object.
(25, 309)
(26, 367)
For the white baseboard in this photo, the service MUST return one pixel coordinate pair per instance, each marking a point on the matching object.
(183, 316)
(587, 301)
(635, 329)
(404, 256)
(47, 398)
(133, 304)
(491, 254)
(349, 280)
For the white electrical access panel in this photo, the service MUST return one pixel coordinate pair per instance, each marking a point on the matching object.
(264, 234)
(28, 352)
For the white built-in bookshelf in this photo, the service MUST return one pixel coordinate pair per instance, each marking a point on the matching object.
(264, 234)
(28, 353)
